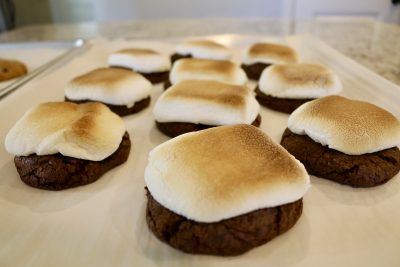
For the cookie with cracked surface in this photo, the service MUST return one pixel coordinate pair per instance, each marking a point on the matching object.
(228, 237)
(10, 69)
(57, 172)
(366, 170)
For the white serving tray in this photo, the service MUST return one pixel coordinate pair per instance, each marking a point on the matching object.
(33, 54)
(103, 224)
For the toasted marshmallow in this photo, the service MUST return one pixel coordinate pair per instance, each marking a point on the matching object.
(204, 49)
(350, 126)
(299, 81)
(141, 60)
(205, 69)
(223, 172)
(207, 102)
(109, 85)
(269, 53)
(88, 131)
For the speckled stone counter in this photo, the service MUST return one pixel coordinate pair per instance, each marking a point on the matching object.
(374, 44)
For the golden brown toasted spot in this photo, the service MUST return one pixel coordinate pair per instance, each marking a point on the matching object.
(137, 51)
(206, 44)
(357, 118)
(351, 126)
(104, 76)
(83, 127)
(210, 91)
(304, 74)
(341, 109)
(258, 160)
(273, 50)
(44, 109)
(206, 66)
(65, 112)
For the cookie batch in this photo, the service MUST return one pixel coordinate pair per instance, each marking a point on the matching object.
(226, 184)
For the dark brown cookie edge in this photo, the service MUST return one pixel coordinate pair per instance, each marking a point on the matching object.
(156, 77)
(153, 77)
(228, 237)
(286, 105)
(253, 71)
(167, 84)
(118, 109)
(175, 56)
(173, 129)
(58, 172)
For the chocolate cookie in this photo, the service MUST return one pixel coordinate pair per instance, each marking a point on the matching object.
(364, 170)
(118, 109)
(254, 71)
(10, 69)
(173, 129)
(57, 172)
(167, 84)
(286, 105)
(176, 56)
(156, 77)
(228, 237)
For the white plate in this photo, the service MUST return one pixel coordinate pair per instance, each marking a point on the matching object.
(103, 224)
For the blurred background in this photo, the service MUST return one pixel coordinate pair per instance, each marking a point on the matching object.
(18, 13)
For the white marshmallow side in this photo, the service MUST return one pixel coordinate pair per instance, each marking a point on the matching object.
(205, 112)
(123, 93)
(62, 132)
(204, 52)
(238, 77)
(147, 63)
(253, 60)
(272, 84)
(270, 54)
(200, 209)
(177, 183)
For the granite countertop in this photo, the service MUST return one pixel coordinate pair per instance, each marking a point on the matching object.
(374, 44)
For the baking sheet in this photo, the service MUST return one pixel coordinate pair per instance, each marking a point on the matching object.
(103, 224)
(33, 54)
